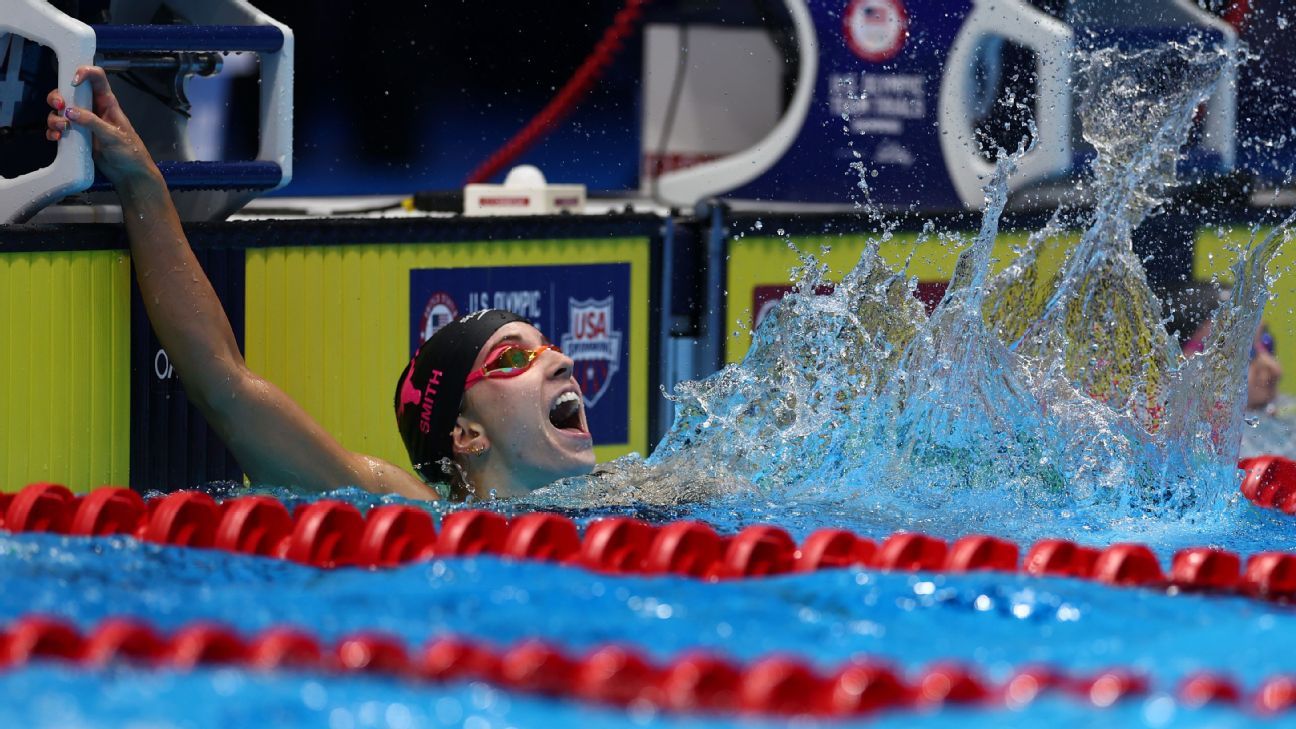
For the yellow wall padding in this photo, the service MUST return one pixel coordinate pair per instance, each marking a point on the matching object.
(64, 369)
(330, 326)
(1213, 257)
(768, 260)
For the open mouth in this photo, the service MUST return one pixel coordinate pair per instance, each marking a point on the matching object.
(566, 412)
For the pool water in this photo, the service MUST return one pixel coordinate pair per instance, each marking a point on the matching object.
(993, 622)
(230, 698)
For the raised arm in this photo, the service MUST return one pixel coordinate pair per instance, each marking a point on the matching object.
(273, 438)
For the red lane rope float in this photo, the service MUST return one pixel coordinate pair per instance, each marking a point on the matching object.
(616, 675)
(330, 534)
(568, 96)
(1270, 482)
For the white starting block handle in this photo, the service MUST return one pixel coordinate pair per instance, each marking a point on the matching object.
(1052, 42)
(73, 44)
(232, 25)
(263, 39)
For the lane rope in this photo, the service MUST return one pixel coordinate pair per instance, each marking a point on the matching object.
(1270, 482)
(614, 675)
(329, 534)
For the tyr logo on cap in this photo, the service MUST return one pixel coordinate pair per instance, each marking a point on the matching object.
(409, 394)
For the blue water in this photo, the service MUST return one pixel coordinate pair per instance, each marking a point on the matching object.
(993, 622)
(230, 698)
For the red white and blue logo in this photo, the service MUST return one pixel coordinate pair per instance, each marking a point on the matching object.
(876, 30)
(439, 311)
(593, 344)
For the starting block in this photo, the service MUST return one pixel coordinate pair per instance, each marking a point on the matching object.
(203, 189)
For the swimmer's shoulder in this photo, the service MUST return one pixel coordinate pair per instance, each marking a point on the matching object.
(383, 477)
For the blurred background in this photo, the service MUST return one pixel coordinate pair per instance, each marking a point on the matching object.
(392, 99)
(389, 100)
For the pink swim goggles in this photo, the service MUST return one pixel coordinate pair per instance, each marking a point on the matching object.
(508, 360)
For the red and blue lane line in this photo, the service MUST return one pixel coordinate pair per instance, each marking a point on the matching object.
(614, 675)
(329, 534)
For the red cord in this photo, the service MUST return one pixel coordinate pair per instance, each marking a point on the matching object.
(1238, 14)
(567, 97)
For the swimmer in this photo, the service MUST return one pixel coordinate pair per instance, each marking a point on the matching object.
(487, 405)
(1263, 370)
(1192, 320)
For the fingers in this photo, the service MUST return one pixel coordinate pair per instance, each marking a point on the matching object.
(89, 120)
(97, 78)
(104, 102)
(98, 86)
(117, 149)
(55, 126)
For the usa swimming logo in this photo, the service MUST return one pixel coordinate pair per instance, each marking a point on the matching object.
(593, 344)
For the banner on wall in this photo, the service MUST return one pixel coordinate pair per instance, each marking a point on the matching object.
(584, 309)
(171, 444)
(766, 296)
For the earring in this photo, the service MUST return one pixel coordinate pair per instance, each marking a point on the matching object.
(477, 451)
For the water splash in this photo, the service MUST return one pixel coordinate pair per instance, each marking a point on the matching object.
(1099, 325)
(1027, 391)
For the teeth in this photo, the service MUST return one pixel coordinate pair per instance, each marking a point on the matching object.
(565, 412)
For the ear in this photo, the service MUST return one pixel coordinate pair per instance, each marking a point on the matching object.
(469, 437)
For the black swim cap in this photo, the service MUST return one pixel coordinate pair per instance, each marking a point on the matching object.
(431, 387)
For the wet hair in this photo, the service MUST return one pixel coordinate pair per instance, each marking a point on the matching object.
(429, 393)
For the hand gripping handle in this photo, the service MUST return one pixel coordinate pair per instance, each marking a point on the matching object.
(73, 44)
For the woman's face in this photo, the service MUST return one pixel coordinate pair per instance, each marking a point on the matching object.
(1263, 373)
(535, 421)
